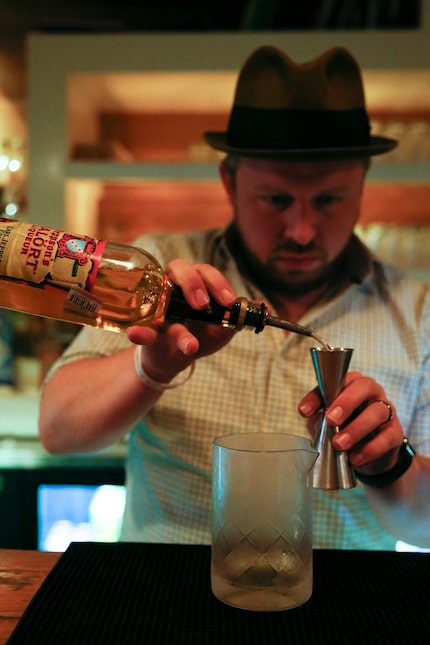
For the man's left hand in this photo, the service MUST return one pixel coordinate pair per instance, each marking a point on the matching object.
(370, 430)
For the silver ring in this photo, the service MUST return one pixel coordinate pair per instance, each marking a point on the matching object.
(389, 408)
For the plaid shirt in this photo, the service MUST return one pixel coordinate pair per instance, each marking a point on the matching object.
(256, 382)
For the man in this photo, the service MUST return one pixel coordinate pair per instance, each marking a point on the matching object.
(298, 147)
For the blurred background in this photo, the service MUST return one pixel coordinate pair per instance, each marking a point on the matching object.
(102, 109)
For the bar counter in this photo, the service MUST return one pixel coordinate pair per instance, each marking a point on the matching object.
(101, 593)
(21, 574)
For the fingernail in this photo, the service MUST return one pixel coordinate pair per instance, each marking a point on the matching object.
(184, 345)
(306, 409)
(335, 415)
(342, 439)
(201, 297)
(228, 295)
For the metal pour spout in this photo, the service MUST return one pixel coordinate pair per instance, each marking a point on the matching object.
(332, 470)
(273, 321)
(244, 314)
(281, 323)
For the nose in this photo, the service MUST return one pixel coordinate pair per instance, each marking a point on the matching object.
(299, 223)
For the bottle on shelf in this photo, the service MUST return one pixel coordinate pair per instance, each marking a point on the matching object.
(79, 279)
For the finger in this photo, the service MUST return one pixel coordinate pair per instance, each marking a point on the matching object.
(177, 334)
(200, 281)
(367, 425)
(359, 389)
(311, 403)
(142, 335)
(389, 409)
(184, 340)
(379, 451)
(372, 417)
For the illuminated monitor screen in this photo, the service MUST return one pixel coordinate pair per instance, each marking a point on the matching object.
(78, 513)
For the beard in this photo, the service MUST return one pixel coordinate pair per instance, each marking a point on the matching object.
(267, 276)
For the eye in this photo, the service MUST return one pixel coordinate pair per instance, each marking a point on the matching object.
(325, 200)
(280, 201)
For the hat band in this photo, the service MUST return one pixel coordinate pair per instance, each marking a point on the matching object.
(261, 128)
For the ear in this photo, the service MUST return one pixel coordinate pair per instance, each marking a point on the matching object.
(227, 182)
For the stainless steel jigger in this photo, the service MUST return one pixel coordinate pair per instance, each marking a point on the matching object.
(332, 470)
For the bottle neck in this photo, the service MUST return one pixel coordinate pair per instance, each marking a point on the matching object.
(243, 313)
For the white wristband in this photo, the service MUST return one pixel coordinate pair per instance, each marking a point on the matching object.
(150, 382)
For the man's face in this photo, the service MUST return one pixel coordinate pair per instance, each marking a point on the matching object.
(295, 219)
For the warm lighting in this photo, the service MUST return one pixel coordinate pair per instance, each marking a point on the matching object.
(12, 178)
(194, 91)
(11, 209)
(4, 162)
(14, 165)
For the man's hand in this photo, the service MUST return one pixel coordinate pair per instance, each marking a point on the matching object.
(370, 430)
(169, 347)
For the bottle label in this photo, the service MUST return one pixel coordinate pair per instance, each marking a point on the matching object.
(47, 256)
(51, 258)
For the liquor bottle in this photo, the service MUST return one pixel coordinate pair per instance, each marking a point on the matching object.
(79, 279)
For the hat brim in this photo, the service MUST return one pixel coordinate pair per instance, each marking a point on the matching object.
(377, 146)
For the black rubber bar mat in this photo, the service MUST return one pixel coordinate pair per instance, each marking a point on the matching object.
(160, 594)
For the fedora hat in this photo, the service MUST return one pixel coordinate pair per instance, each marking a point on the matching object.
(310, 111)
